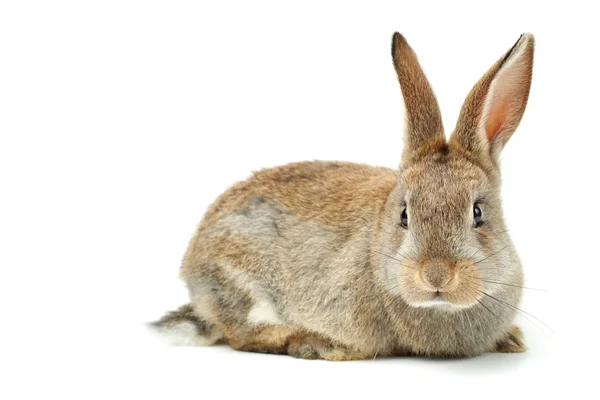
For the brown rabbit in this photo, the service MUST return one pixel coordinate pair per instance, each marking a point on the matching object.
(342, 261)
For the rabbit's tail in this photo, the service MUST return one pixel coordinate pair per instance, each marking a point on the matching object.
(183, 327)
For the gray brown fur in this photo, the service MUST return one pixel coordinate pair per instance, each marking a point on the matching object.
(309, 259)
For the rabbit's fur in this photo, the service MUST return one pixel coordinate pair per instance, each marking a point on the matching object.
(312, 259)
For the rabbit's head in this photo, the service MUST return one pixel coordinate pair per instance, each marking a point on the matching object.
(444, 241)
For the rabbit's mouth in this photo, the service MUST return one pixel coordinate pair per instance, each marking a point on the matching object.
(440, 301)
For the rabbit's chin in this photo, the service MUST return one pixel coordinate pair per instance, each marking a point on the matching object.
(440, 304)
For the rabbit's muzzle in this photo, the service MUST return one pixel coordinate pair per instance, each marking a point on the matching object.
(441, 282)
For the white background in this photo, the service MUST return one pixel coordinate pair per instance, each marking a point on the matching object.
(121, 121)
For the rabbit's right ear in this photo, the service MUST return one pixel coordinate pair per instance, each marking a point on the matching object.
(424, 131)
(495, 105)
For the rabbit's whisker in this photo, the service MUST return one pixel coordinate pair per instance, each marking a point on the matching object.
(478, 250)
(475, 280)
(487, 308)
(395, 259)
(395, 251)
(509, 284)
(518, 310)
(491, 255)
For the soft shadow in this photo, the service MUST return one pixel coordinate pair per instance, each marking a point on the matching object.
(484, 364)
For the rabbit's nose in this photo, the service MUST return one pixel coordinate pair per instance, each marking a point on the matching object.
(436, 276)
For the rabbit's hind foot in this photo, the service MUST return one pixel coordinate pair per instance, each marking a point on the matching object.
(297, 343)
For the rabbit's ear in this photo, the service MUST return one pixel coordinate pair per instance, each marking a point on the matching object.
(424, 130)
(495, 105)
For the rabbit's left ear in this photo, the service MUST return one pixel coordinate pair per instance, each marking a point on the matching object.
(495, 105)
(424, 131)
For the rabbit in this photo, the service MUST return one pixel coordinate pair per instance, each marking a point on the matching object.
(344, 261)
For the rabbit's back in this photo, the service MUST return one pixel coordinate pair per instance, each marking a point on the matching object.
(333, 193)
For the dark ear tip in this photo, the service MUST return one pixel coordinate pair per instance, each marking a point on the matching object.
(526, 38)
(397, 40)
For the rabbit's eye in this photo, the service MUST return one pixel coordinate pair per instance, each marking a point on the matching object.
(404, 218)
(477, 215)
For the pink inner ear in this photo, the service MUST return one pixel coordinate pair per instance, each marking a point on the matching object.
(497, 116)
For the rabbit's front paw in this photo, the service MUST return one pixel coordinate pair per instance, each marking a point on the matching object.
(512, 342)
(341, 354)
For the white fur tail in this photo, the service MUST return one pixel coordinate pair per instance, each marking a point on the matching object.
(184, 327)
